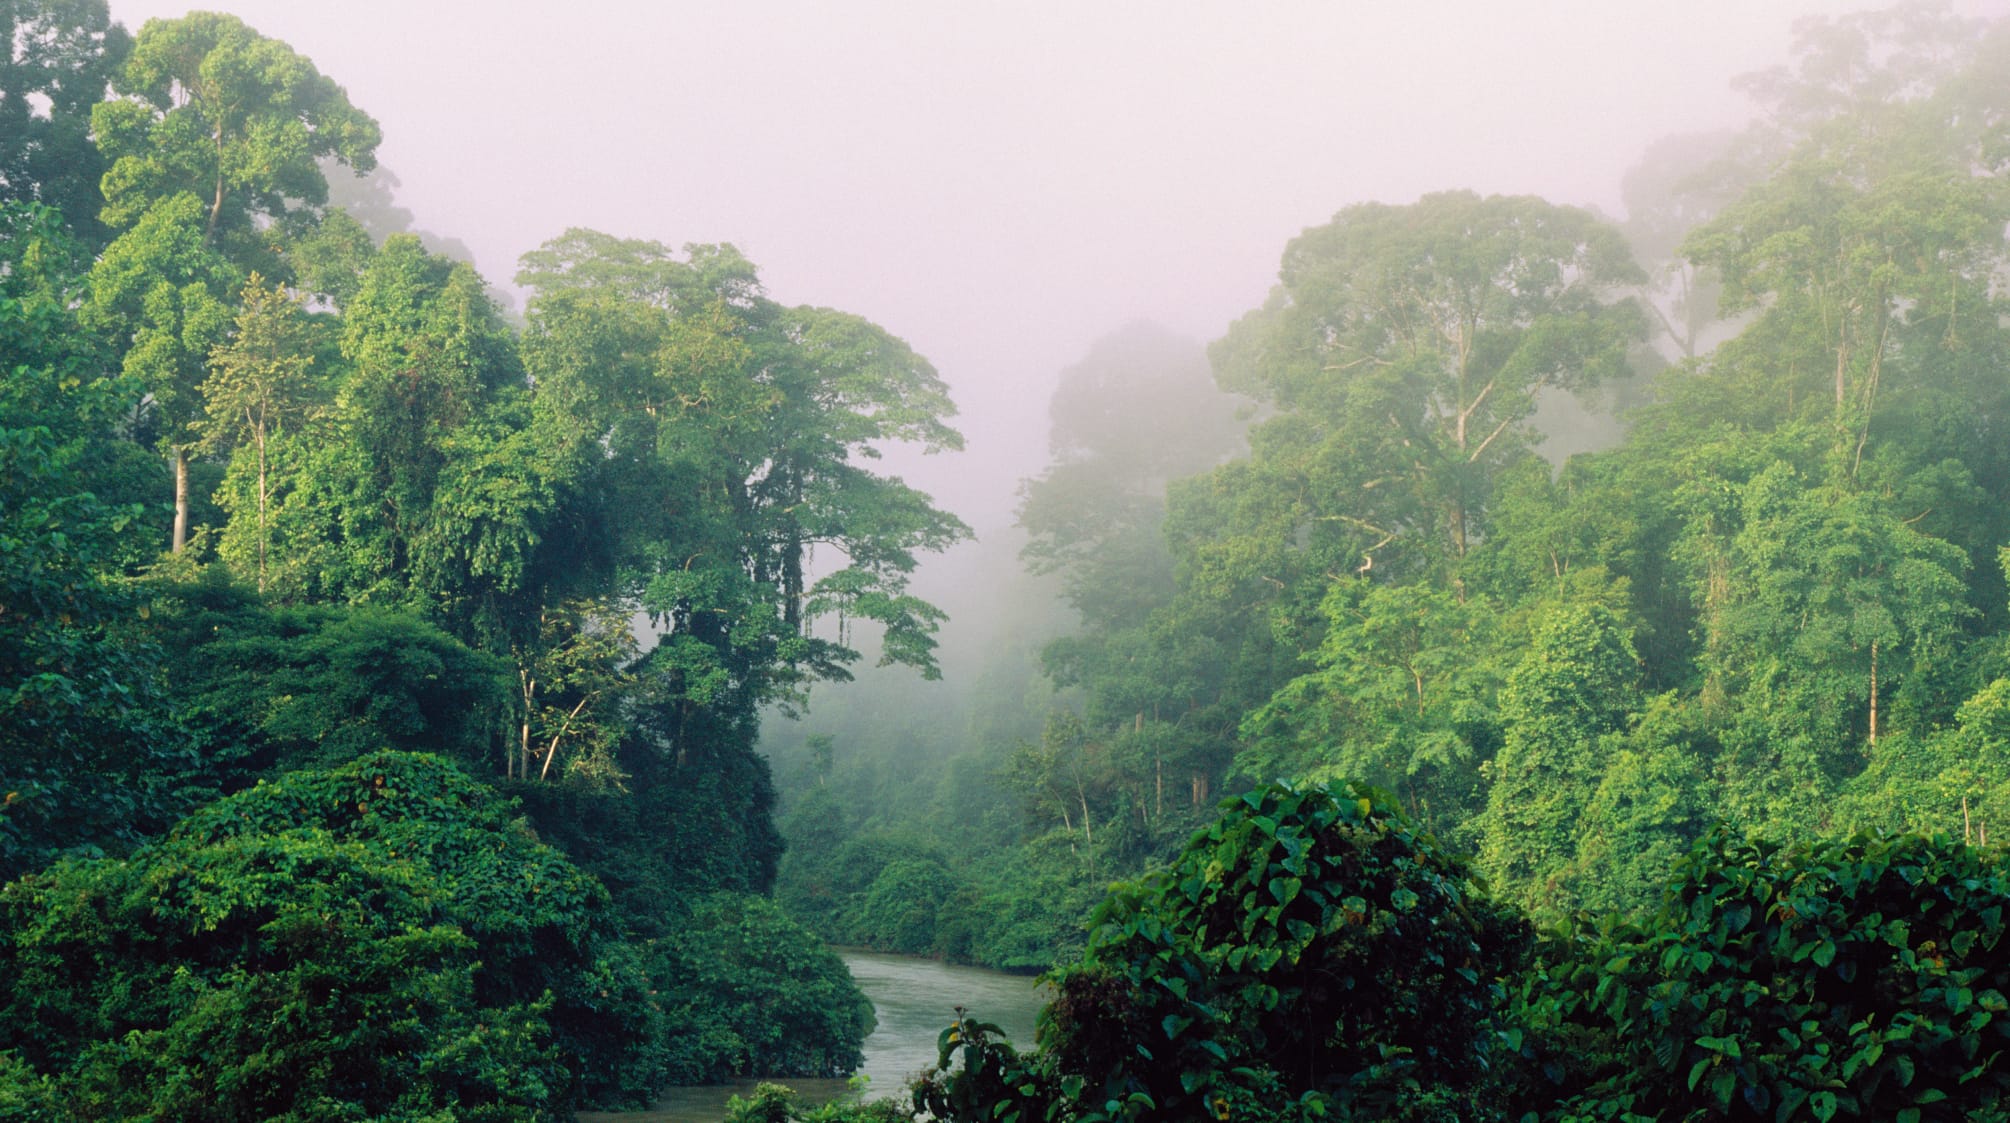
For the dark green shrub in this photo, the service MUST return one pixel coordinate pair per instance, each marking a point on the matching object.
(750, 992)
(376, 940)
(1857, 979)
(1309, 954)
(898, 911)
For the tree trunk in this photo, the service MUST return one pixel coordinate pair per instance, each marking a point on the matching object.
(1873, 694)
(180, 538)
(260, 435)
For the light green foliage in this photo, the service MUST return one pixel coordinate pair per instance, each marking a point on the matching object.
(214, 110)
(898, 910)
(260, 384)
(1652, 801)
(1949, 781)
(1404, 348)
(571, 679)
(1562, 707)
(1830, 603)
(437, 498)
(216, 129)
(775, 1103)
(1867, 251)
(160, 293)
(1404, 698)
(695, 383)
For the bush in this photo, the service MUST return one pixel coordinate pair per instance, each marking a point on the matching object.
(376, 940)
(751, 992)
(898, 912)
(1309, 954)
(1858, 979)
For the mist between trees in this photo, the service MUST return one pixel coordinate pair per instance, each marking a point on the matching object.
(1606, 615)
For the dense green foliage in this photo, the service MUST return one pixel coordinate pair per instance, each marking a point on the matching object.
(1311, 955)
(1759, 581)
(326, 698)
(1862, 978)
(372, 941)
(358, 735)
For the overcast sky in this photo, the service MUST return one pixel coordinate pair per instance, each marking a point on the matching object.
(1000, 184)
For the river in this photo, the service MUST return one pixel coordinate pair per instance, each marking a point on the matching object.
(913, 1000)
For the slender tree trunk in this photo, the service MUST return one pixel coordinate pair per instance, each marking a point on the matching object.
(1873, 694)
(261, 510)
(180, 538)
(551, 750)
(520, 764)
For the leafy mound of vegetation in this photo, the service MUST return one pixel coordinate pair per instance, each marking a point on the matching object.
(1866, 978)
(1312, 956)
(371, 941)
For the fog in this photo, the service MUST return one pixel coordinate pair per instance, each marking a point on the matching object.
(1002, 184)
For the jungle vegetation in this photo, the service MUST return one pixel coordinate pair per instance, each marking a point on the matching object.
(386, 666)
(382, 668)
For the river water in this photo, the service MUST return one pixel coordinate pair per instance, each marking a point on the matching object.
(913, 1000)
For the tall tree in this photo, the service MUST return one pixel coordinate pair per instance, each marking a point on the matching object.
(215, 130)
(741, 431)
(212, 108)
(259, 384)
(1404, 348)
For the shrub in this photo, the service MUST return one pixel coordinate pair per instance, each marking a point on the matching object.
(1308, 954)
(751, 992)
(1857, 979)
(376, 940)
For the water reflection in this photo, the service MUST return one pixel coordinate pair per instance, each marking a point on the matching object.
(913, 999)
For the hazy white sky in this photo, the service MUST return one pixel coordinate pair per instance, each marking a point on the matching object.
(1001, 183)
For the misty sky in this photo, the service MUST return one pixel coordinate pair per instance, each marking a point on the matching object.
(999, 183)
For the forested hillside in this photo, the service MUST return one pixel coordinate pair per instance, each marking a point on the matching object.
(381, 669)
(1655, 781)
(1764, 588)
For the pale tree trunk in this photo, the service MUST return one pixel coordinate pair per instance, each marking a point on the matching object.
(551, 750)
(1873, 694)
(262, 534)
(180, 538)
(520, 762)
